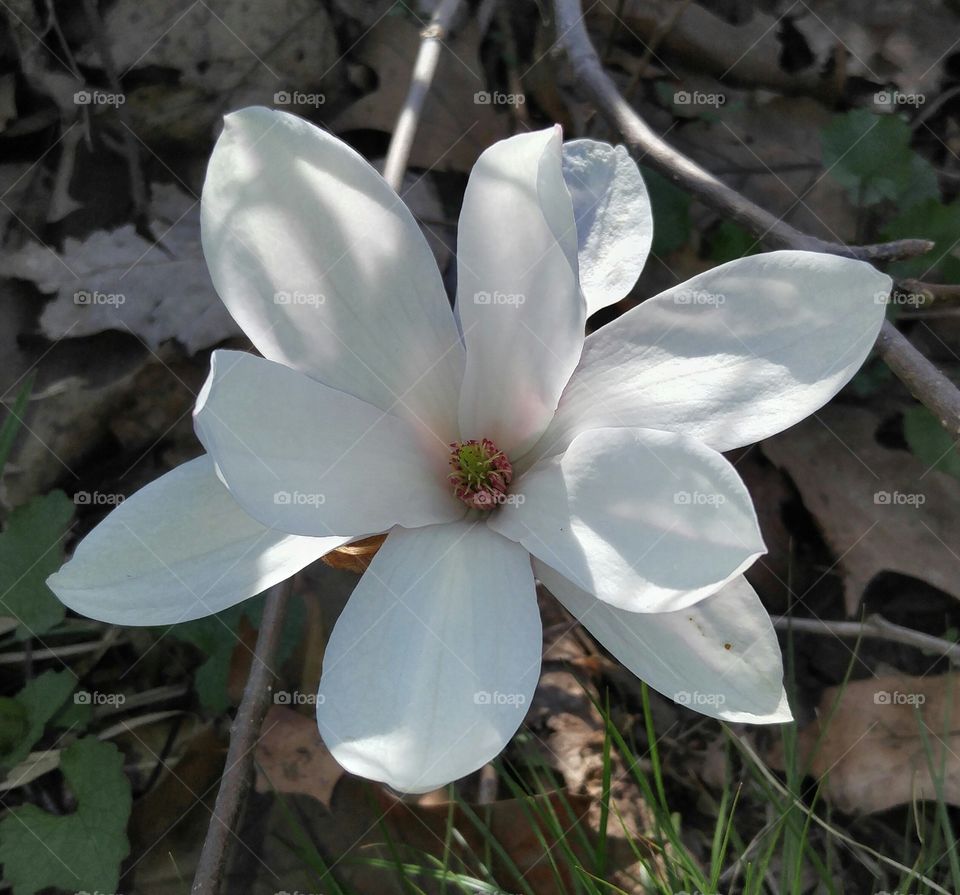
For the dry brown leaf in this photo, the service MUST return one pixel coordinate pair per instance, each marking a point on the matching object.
(291, 757)
(453, 129)
(159, 813)
(119, 280)
(212, 45)
(882, 44)
(356, 556)
(226, 54)
(873, 753)
(879, 508)
(169, 822)
(69, 416)
(747, 53)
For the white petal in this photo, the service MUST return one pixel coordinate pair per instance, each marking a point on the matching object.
(432, 665)
(517, 295)
(648, 521)
(179, 549)
(323, 266)
(732, 356)
(311, 460)
(614, 219)
(720, 657)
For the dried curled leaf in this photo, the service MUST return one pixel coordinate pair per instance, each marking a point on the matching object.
(355, 557)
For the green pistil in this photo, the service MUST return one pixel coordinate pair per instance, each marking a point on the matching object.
(475, 464)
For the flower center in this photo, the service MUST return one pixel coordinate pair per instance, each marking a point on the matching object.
(481, 473)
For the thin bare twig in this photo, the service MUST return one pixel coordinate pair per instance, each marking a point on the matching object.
(875, 627)
(243, 738)
(923, 379)
(424, 69)
(926, 383)
(931, 291)
(685, 172)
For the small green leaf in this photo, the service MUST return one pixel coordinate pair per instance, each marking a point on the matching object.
(729, 241)
(930, 442)
(11, 425)
(31, 549)
(80, 851)
(216, 636)
(14, 724)
(75, 716)
(871, 378)
(671, 213)
(870, 155)
(39, 699)
(928, 220)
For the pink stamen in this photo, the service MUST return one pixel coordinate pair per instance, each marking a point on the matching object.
(481, 473)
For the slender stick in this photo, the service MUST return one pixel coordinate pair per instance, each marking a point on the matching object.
(424, 69)
(926, 383)
(685, 172)
(874, 626)
(923, 379)
(936, 291)
(238, 770)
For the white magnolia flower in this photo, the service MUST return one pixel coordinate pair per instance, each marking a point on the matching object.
(375, 409)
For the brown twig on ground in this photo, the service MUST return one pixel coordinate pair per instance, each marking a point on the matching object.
(926, 383)
(138, 189)
(932, 291)
(244, 733)
(424, 69)
(875, 627)
(923, 379)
